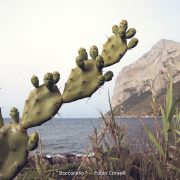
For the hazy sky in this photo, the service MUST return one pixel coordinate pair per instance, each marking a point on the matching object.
(39, 36)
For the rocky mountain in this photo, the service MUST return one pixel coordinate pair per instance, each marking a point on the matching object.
(136, 82)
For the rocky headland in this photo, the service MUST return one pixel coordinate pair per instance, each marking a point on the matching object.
(147, 77)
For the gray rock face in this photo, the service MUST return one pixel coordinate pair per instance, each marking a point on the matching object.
(152, 69)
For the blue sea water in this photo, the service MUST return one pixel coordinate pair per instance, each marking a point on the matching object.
(63, 135)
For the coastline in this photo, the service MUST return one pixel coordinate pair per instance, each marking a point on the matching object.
(58, 159)
(137, 116)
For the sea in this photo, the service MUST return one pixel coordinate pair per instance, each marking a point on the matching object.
(71, 135)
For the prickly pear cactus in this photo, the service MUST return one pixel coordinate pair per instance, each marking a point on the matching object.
(45, 100)
(87, 77)
(116, 46)
(15, 145)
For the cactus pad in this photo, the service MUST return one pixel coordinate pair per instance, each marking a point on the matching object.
(14, 149)
(43, 102)
(116, 46)
(86, 78)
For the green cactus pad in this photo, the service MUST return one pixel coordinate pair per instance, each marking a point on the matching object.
(84, 79)
(116, 46)
(82, 83)
(42, 104)
(14, 151)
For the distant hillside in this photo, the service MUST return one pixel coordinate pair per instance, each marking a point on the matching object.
(132, 94)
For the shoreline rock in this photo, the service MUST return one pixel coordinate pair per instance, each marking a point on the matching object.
(58, 158)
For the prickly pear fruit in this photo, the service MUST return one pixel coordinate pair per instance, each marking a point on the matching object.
(93, 52)
(14, 113)
(116, 46)
(35, 81)
(99, 62)
(82, 53)
(122, 28)
(48, 80)
(56, 77)
(42, 104)
(33, 141)
(115, 29)
(132, 43)
(130, 33)
(80, 63)
(101, 80)
(108, 76)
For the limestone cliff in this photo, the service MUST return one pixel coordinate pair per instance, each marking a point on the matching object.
(134, 84)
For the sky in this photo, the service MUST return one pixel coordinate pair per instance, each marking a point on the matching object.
(40, 36)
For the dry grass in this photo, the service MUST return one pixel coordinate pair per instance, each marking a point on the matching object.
(112, 153)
